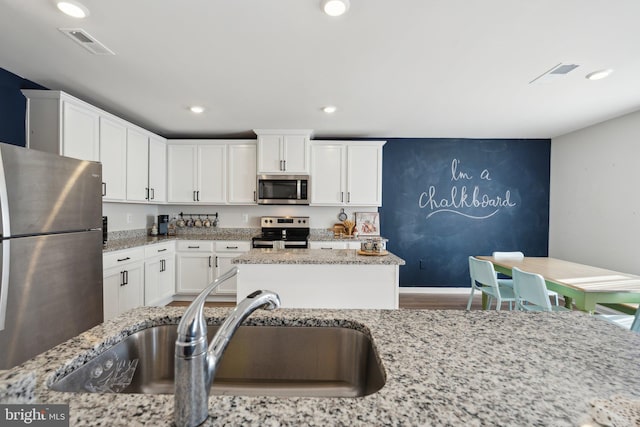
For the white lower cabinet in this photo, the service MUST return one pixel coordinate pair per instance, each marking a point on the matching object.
(225, 252)
(123, 281)
(159, 273)
(194, 266)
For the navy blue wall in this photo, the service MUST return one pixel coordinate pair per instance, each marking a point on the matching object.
(446, 199)
(12, 107)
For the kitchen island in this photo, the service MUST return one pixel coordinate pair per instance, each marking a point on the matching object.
(320, 278)
(442, 367)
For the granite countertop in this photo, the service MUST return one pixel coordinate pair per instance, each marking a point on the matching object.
(314, 256)
(135, 238)
(141, 239)
(443, 367)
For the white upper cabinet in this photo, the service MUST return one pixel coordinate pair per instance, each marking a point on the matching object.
(241, 167)
(137, 166)
(328, 173)
(211, 171)
(346, 173)
(133, 159)
(61, 124)
(113, 155)
(283, 152)
(196, 172)
(181, 172)
(157, 169)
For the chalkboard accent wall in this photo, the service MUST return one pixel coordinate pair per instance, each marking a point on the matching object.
(446, 199)
(13, 107)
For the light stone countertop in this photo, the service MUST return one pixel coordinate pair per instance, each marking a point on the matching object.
(314, 256)
(443, 367)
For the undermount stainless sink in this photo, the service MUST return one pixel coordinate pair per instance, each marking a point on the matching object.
(260, 361)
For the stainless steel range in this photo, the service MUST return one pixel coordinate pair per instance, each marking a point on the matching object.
(293, 230)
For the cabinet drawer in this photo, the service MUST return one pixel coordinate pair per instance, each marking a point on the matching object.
(159, 249)
(195, 246)
(124, 257)
(327, 245)
(233, 246)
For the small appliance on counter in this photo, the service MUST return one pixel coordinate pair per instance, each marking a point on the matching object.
(163, 225)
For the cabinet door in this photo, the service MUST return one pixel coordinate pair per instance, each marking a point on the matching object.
(152, 271)
(113, 155)
(223, 264)
(296, 153)
(212, 172)
(157, 170)
(80, 132)
(269, 154)
(159, 279)
(242, 174)
(194, 272)
(111, 281)
(364, 175)
(167, 279)
(137, 166)
(131, 293)
(181, 173)
(328, 181)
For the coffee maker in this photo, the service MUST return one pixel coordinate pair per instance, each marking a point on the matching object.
(163, 225)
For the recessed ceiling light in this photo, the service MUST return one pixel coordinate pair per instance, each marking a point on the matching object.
(600, 74)
(197, 109)
(73, 9)
(334, 7)
(329, 109)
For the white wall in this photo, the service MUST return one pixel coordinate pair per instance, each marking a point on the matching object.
(142, 216)
(595, 195)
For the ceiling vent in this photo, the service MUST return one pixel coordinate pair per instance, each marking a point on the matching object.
(87, 41)
(555, 72)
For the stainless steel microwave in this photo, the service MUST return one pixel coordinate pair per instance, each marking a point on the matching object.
(283, 189)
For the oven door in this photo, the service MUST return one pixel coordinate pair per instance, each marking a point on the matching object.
(283, 189)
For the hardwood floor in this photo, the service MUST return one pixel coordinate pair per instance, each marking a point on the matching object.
(409, 301)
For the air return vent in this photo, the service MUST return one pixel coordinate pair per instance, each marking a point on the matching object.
(555, 72)
(87, 41)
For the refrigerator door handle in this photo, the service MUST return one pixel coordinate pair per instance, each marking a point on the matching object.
(5, 251)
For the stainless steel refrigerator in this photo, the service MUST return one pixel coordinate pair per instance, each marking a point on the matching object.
(50, 251)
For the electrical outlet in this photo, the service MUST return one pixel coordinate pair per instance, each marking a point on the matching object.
(129, 218)
(245, 218)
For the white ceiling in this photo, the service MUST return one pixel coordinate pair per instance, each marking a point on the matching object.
(399, 68)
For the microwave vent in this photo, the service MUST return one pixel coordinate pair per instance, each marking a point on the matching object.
(87, 41)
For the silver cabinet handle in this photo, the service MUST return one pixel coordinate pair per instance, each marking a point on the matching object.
(153, 194)
(194, 196)
(348, 196)
(216, 262)
(146, 189)
(104, 189)
(232, 247)
(124, 259)
(198, 196)
(193, 247)
(255, 197)
(162, 250)
(342, 197)
(284, 162)
(209, 261)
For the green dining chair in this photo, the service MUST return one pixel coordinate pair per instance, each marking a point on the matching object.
(627, 321)
(483, 279)
(532, 289)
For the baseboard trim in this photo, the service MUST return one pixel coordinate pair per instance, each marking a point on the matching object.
(433, 290)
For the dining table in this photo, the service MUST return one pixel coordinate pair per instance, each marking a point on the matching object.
(583, 285)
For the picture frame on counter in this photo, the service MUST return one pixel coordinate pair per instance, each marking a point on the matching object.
(367, 223)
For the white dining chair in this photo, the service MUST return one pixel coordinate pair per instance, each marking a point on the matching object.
(532, 289)
(626, 321)
(518, 256)
(483, 279)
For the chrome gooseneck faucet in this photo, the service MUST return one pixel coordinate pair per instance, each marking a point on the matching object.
(195, 362)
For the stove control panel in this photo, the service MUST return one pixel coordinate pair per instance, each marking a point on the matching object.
(284, 222)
